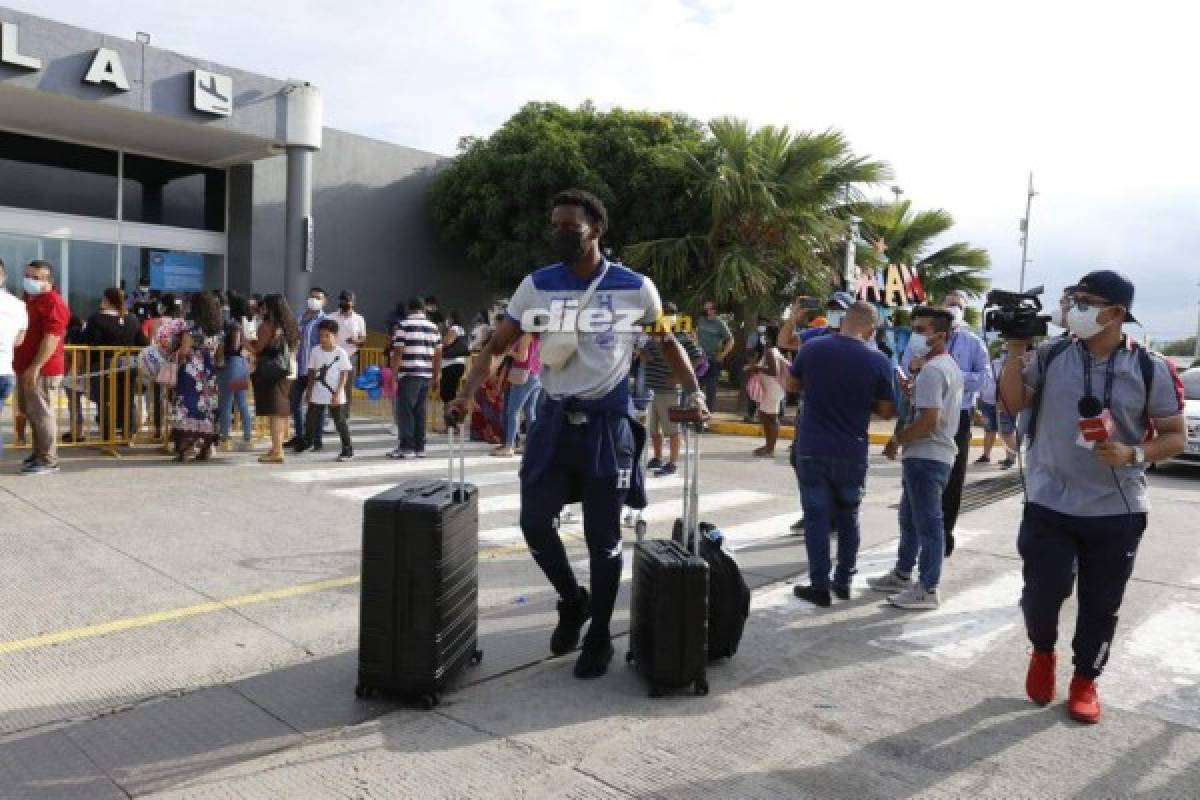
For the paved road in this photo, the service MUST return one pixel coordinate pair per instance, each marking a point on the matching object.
(189, 632)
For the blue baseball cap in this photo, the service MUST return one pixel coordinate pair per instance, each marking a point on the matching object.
(1112, 286)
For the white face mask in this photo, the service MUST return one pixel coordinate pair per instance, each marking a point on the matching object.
(958, 314)
(834, 318)
(919, 345)
(314, 304)
(1085, 324)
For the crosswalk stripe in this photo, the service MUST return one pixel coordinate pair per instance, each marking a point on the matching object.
(1156, 668)
(333, 474)
(483, 479)
(964, 626)
(655, 512)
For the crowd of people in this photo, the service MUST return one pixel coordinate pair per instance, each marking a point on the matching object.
(568, 401)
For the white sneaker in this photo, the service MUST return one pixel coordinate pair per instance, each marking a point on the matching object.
(916, 598)
(891, 582)
(399, 454)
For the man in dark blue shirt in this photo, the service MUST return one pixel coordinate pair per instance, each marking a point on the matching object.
(844, 381)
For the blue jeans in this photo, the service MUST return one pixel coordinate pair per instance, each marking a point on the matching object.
(412, 395)
(709, 382)
(520, 397)
(921, 534)
(831, 488)
(235, 367)
(296, 401)
(7, 384)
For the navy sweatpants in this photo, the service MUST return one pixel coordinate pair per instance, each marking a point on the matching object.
(570, 476)
(1100, 550)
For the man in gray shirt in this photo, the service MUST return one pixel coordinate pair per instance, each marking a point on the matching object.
(929, 454)
(1087, 499)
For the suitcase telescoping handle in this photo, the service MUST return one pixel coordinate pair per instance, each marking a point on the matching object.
(692, 421)
(456, 446)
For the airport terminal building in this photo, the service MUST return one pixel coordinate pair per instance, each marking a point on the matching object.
(120, 162)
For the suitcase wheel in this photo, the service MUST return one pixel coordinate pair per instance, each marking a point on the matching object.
(429, 701)
(701, 687)
(476, 657)
(629, 657)
(363, 692)
(639, 529)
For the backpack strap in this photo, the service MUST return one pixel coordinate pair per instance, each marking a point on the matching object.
(1146, 364)
(1045, 359)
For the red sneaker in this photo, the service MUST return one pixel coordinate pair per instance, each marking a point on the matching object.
(1083, 704)
(1039, 680)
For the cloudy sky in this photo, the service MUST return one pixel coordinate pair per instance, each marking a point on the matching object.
(1097, 99)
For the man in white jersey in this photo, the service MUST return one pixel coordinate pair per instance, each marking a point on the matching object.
(586, 445)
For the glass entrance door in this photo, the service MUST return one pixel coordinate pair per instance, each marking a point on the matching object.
(16, 252)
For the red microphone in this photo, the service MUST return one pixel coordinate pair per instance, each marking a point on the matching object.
(1095, 421)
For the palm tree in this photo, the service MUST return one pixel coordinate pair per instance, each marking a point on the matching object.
(908, 237)
(775, 200)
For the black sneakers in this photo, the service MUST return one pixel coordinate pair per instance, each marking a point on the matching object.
(818, 597)
(572, 616)
(595, 656)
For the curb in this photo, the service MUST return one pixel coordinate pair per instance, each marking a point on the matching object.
(789, 432)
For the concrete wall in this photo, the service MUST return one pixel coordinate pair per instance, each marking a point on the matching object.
(373, 231)
(160, 80)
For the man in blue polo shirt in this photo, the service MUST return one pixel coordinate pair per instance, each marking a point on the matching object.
(844, 381)
(585, 445)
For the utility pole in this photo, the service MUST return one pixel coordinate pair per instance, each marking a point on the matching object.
(1025, 231)
(1197, 353)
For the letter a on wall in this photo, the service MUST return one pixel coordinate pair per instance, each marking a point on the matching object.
(107, 68)
(893, 290)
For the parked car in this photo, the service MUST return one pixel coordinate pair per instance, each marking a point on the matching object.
(1191, 411)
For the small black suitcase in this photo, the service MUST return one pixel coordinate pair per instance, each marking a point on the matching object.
(418, 618)
(668, 637)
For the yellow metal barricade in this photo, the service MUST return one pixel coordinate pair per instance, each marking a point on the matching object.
(105, 398)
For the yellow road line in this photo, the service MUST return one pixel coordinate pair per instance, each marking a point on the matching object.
(170, 615)
(129, 623)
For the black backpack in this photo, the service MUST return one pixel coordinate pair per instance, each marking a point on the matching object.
(728, 594)
(1145, 363)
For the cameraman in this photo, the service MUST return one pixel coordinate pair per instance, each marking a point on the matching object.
(1086, 505)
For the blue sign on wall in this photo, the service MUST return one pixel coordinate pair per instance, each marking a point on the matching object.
(174, 271)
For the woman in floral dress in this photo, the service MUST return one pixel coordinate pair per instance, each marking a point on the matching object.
(198, 355)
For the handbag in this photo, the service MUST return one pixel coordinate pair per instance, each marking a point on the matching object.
(756, 389)
(278, 365)
(558, 347)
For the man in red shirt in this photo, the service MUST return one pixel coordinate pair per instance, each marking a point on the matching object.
(39, 364)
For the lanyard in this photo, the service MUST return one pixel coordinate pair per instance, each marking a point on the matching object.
(1109, 375)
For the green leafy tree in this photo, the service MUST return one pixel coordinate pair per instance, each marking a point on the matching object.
(773, 202)
(908, 237)
(495, 199)
(1180, 347)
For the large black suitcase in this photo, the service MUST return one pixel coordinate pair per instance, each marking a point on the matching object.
(418, 619)
(668, 637)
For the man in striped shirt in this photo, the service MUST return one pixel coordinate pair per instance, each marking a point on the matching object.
(661, 379)
(417, 361)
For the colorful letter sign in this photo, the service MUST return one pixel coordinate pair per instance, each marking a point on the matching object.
(894, 285)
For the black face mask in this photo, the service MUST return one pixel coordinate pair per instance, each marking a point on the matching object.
(345, 306)
(566, 245)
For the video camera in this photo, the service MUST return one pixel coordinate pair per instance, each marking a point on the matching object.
(1014, 315)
